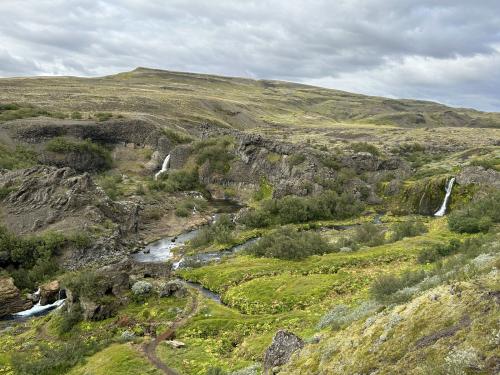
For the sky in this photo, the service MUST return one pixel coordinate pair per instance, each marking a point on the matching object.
(443, 50)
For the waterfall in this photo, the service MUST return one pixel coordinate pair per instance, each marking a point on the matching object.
(164, 167)
(449, 186)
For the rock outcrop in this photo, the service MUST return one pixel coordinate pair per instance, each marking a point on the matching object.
(49, 292)
(174, 288)
(11, 300)
(49, 198)
(281, 349)
(480, 176)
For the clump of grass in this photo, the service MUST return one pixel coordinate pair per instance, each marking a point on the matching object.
(111, 183)
(176, 136)
(65, 146)
(365, 147)
(296, 159)
(369, 234)
(490, 163)
(19, 157)
(13, 111)
(103, 116)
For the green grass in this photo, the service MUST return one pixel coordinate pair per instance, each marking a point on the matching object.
(17, 157)
(119, 359)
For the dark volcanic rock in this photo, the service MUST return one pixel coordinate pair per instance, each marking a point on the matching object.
(10, 298)
(283, 346)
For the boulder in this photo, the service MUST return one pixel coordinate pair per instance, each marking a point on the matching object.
(175, 344)
(97, 310)
(281, 349)
(49, 292)
(10, 298)
(174, 288)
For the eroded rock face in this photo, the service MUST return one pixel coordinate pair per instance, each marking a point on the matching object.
(281, 349)
(49, 292)
(11, 300)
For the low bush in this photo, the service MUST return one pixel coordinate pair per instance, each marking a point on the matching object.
(490, 163)
(69, 318)
(220, 232)
(410, 228)
(111, 183)
(76, 115)
(287, 243)
(29, 260)
(478, 216)
(179, 180)
(365, 147)
(369, 234)
(294, 209)
(342, 315)
(141, 288)
(217, 152)
(435, 252)
(54, 359)
(385, 286)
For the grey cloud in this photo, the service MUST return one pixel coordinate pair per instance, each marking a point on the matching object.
(380, 47)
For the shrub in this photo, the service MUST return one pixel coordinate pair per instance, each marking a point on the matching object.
(287, 243)
(54, 359)
(30, 259)
(365, 147)
(294, 209)
(341, 315)
(491, 163)
(217, 152)
(70, 318)
(180, 180)
(478, 216)
(408, 228)
(435, 252)
(369, 234)
(385, 286)
(220, 232)
(141, 288)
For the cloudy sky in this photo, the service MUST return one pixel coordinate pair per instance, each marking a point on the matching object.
(443, 50)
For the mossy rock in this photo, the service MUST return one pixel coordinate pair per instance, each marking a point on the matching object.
(422, 197)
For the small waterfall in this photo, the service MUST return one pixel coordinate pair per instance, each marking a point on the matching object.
(449, 186)
(164, 167)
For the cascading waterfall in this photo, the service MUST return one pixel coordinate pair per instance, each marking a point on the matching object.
(164, 167)
(449, 186)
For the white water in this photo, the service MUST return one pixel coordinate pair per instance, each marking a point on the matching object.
(37, 309)
(449, 186)
(164, 167)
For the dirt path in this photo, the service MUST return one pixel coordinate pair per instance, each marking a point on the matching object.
(149, 349)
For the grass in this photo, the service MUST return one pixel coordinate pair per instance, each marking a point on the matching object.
(16, 157)
(120, 359)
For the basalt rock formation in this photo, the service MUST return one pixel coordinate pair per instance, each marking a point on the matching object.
(11, 300)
